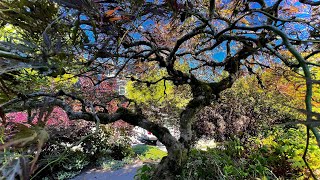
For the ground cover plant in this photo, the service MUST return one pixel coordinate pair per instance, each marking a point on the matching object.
(141, 153)
(146, 152)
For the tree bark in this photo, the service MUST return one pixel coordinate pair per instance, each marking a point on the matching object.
(172, 165)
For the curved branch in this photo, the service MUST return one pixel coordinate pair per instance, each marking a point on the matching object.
(312, 3)
(133, 118)
(194, 32)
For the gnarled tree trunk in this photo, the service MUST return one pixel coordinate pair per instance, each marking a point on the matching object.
(172, 165)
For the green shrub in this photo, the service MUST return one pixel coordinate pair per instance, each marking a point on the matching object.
(121, 148)
(282, 151)
(14, 165)
(140, 149)
(145, 172)
(277, 154)
(221, 164)
(60, 159)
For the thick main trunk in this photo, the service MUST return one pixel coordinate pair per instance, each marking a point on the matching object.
(171, 165)
(187, 118)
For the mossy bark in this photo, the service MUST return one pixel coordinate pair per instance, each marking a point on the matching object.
(171, 165)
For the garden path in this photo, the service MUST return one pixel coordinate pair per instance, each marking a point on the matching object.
(126, 173)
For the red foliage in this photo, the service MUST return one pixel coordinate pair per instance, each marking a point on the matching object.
(102, 94)
(57, 117)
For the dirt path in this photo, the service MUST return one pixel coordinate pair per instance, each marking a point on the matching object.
(126, 173)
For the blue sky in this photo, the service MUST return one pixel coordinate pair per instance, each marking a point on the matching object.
(219, 55)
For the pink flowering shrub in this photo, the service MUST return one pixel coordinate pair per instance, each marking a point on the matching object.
(17, 117)
(57, 117)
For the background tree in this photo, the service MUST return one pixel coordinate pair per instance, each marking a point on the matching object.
(160, 101)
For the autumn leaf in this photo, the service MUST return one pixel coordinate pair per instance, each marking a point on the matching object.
(291, 9)
(115, 19)
(111, 17)
(244, 21)
(111, 12)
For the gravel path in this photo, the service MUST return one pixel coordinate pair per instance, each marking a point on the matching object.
(126, 173)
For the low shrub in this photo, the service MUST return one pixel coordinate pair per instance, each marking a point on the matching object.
(145, 172)
(277, 155)
(282, 151)
(121, 148)
(217, 164)
(75, 147)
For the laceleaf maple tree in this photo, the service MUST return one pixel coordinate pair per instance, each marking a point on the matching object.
(220, 40)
